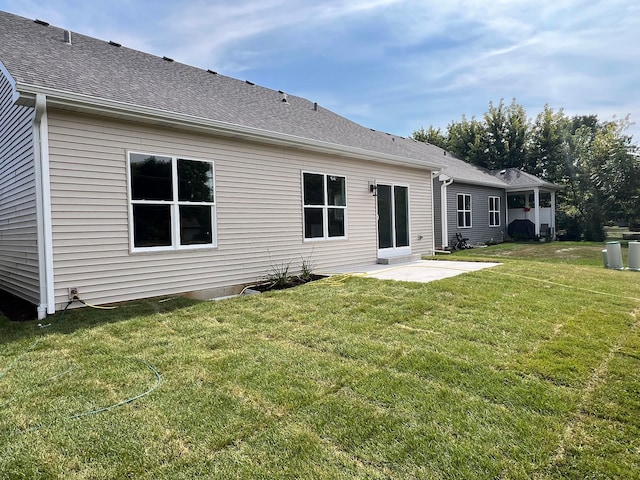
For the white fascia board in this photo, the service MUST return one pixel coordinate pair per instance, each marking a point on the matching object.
(530, 188)
(12, 82)
(479, 183)
(86, 103)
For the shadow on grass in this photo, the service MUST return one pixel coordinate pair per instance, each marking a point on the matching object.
(18, 319)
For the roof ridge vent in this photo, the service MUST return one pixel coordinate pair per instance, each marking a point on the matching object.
(167, 59)
(114, 44)
(67, 37)
(41, 22)
(248, 82)
(212, 72)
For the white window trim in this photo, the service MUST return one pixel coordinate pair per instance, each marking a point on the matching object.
(494, 211)
(458, 211)
(325, 209)
(174, 207)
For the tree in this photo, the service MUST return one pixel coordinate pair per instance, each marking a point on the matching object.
(615, 170)
(431, 135)
(506, 133)
(547, 150)
(467, 140)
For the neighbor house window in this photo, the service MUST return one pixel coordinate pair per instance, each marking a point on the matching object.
(464, 210)
(494, 211)
(325, 205)
(172, 202)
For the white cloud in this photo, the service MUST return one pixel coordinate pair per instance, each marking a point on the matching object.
(386, 63)
(217, 30)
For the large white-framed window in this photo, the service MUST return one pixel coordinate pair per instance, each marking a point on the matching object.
(494, 211)
(464, 210)
(171, 202)
(324, 199)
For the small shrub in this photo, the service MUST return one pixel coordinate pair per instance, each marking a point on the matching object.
(306, 269)
(278, 275)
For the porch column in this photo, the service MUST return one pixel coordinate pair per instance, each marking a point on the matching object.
(506, 211)
(536, 211)
(553, 214)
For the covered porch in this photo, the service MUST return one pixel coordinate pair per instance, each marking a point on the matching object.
(536, 205)
(531, 204)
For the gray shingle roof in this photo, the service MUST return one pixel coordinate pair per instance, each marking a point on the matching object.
(516, 178)
(37, 57)
(464, 172)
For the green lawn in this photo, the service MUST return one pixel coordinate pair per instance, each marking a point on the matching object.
(526, 370)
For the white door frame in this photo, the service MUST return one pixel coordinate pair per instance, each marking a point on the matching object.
(394, 251)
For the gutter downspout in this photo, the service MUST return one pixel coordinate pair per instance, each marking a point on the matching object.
(446, 181)
(43, 207)
(433, 217)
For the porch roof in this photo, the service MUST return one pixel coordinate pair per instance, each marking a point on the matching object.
(517, 180)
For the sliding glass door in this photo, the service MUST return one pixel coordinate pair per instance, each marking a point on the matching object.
(393, 220)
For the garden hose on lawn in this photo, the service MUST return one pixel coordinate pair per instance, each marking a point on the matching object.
(30, 348)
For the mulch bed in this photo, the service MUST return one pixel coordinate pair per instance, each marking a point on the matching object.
(291, 282)
(16, 309)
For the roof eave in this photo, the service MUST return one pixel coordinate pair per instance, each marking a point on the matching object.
(479, 183)
(90, 104)
(523, 188)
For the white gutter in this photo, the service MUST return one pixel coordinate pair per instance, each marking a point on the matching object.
(86, 103)
(446, 181)
(43, 207)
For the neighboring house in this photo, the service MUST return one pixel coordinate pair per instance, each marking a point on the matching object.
(483, 206)
(127, 175)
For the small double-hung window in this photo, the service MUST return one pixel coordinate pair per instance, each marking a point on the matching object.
(172, 202)
(464, 210)
(325, 206)
(494, 211)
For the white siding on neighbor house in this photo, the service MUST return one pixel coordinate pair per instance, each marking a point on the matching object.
(18, 234)
(258, 194)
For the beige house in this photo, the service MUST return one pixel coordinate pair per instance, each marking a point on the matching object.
(127, 175)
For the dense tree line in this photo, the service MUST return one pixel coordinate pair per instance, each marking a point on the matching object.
(596, 162)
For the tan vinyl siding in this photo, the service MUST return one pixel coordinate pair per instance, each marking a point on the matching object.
(18, 234)
(258, 194)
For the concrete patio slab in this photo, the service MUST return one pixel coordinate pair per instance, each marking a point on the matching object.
(418, 271)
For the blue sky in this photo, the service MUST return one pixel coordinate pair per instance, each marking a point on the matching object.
(392, 65)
